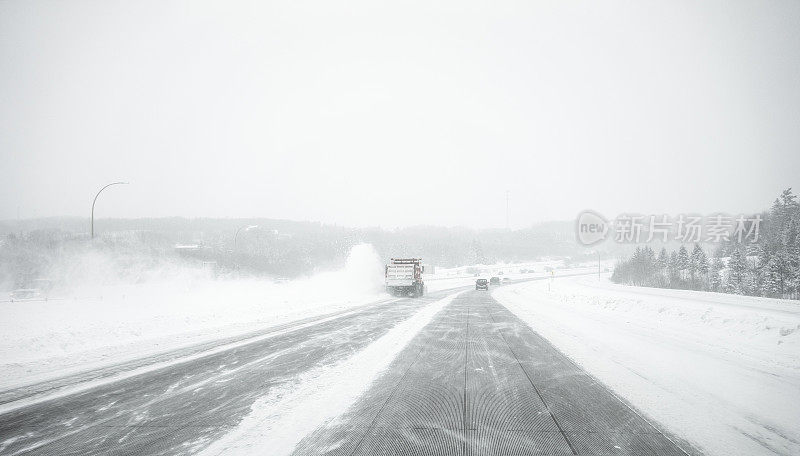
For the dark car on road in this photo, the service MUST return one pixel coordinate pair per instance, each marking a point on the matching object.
(494, 281)
(481, 284)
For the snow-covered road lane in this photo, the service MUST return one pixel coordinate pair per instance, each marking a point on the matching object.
(478, 381)
(722, 371)
(183, 407)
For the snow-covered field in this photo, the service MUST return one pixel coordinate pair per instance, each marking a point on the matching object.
(114, 323)
(721, 371)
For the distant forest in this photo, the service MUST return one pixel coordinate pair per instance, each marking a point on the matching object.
(769, 267)
(43, 248)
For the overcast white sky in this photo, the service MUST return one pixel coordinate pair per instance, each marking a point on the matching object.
(397, 113)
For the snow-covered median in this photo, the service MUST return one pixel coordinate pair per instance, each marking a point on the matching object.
(110, 324)
(721, 371)
(281, 419)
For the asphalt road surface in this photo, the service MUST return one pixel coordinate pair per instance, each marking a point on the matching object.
(476, 380)
(183, 407)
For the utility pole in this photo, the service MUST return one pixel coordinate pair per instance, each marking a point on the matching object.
(598, 265)
(508, 227)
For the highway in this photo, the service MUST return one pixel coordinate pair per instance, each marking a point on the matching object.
(475, 380)
(478, 381)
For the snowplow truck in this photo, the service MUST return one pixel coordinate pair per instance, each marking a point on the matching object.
(404, 277)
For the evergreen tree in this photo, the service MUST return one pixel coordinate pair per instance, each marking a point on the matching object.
(774, 272)
(673, 270)
(777, 216)
(663, 259)
(751, 285)
(673, 261)
(737, 272)
(649, 267)
(779, 276)
(791, 254)
(702, 263)
(662, 263)
(789, 201)
(683, 258)
(796, 289)
(784, 209)
(772, 278)
(715, 274)
(698, 266)
(692, 268)
(683, 262)
(763, 255)
(791, 246)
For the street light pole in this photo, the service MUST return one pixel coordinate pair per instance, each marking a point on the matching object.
(236, 235)
(95, 200)
(598, 265)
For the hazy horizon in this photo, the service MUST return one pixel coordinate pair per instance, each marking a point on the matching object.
(389, 115)
(99, 221)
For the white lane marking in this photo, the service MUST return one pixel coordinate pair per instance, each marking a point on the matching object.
(85, 386)
(280, 419)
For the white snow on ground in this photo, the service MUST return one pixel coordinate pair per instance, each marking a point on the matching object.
(42, 339)
(721, 371)
(282, 418)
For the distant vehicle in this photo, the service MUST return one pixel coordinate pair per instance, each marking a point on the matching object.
(481, 284)
(23, 294)
(506, 279)
(500, 273)
(404, 277)
(494, 281)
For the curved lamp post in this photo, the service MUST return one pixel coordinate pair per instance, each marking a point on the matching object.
(95, 200)
(236, 235)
